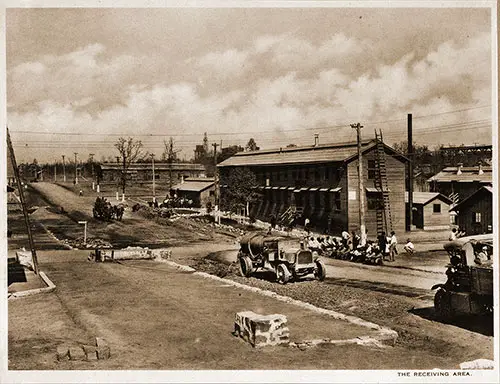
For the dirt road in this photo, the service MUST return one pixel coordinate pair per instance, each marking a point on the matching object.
(399, 299)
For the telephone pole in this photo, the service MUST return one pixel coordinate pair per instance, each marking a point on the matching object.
(410, 173)
(216, 179)
(91, 158)
(64, 169)
(153, 160)
(76, 168)
(361, 186)
(23, 203)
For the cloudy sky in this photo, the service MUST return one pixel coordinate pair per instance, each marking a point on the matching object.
(77, 79)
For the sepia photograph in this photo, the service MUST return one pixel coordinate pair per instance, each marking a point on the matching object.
(249, 191)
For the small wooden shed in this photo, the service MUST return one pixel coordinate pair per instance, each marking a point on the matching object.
(430, 210)
(475, 213)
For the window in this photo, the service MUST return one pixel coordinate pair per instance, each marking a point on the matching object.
(285, 175)
(372, 169)
(326, 173)
(374, 200)
(436, 208)
(294, 175)
(278, 175)
(476, 217)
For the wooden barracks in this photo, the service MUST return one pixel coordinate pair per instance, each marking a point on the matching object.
(320, 183)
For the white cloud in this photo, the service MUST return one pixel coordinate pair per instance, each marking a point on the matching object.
(230, 63)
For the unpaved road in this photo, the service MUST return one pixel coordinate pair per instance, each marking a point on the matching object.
(396, 298)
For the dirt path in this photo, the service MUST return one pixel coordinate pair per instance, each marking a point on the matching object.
(399, 299)
(158, 318)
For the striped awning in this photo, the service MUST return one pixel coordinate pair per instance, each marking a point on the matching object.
(375, 190)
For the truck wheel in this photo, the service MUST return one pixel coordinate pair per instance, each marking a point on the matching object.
(320, 271)
(246, 267)
(442, 304)
(282, 274)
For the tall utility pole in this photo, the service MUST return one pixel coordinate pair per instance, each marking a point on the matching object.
(410, 173)
(23, 203)
(216, 195)
(153, 161)
(64, 169)
(76, 167)
(91, 158)
(361, 186)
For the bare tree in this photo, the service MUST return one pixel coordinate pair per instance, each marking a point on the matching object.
(130, 151)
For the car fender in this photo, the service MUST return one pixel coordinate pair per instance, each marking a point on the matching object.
(435, 286)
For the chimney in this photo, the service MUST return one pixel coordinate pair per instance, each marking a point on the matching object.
(459, 168)
(480, 172)
(316, 139)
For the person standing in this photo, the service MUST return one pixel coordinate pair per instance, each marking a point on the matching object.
(382, 244)
(393, 246)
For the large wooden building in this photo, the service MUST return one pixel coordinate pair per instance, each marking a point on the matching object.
(475, 213)
(458, 183)
(143, 172)
(321, 181)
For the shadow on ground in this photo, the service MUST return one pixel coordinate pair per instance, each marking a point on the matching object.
(482, 324)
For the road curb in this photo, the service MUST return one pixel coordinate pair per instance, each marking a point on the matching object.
(49, 288)
(385, 336)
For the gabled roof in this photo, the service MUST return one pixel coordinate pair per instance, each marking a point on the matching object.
(340, 152)
(194, 185)
(472, 197)
(467, 174)
(426, 197)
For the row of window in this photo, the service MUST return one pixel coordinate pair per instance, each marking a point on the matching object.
(305, 174)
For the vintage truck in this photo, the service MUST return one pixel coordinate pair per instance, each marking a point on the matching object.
(469, 285)
(287, 259)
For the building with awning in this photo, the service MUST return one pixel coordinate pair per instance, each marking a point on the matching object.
(321, 181)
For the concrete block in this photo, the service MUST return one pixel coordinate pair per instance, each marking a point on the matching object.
(90, 352)
(77, 353)
(103, 352)
(62, 352)
(262, 330)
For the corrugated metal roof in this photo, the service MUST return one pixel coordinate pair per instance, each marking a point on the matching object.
(425, 197)
(468, 174)
(193, 186)
(308, 154)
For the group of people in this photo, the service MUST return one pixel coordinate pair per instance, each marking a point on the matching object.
(388, 246)
(323, 244)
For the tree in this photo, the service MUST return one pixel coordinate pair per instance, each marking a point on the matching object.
(241, 189)
(227, 152)
(252, 145)
(130, 151)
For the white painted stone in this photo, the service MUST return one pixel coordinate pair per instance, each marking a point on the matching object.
(478, 364)
(262, 330)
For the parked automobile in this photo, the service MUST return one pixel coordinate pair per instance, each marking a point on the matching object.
(289, 261)
(469, 285)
